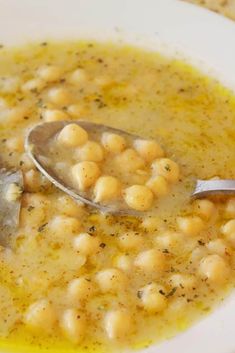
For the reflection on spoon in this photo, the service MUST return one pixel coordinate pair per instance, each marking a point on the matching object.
(38, 147)
(214, 187)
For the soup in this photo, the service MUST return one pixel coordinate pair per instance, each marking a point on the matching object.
(76, 279)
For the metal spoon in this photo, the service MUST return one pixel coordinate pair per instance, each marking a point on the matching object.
(36, 144)
(214, 187)
(37, 147)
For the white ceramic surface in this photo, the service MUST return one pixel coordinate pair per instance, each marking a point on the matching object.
(172, 26)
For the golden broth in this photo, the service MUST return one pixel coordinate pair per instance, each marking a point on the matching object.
(190, 115)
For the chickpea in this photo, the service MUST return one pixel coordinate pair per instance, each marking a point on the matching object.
(13, 192)
(166, 168)
(34, 85)
(16, 114)
(228, 229)
(158, 185)
(26, 163)
(80, 289)
(111, 280)
(59, 95)
(214, 268)
(204, 208)
(50, 73)
(152, 298)
(151, 261)
(15, 144)
(118, 324)
(77, 77)
(130, 241)
(32, 216)
(76, 110)
(198, 253)
(124, 263)
(41, 316)
(9, 84)
(170, 240)
(74, 324)
(62, 225)
(37, 200)
(91, 151)
(151, 223)
(230, 208)
(216, 177)
(33, 181)
(219, 247)
(148, 149)
(50, 115)
(138, 197)
(113, 142)
(177, 305)
(191, 225)
(85, 174)
(72, 135)
(128, 161)
(183, 282)
(70, 207)
(231, 239)
(107, 188)
(86, 244)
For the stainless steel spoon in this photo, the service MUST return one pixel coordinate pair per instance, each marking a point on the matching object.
(36, 144)
(214, 187)
(37, 147)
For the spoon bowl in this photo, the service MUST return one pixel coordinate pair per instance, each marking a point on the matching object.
(37, 147)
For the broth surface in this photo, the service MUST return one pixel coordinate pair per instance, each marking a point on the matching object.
(193, 118)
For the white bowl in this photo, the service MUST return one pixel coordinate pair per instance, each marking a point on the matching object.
(168, 26)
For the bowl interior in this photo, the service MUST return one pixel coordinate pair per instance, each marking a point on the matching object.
(168, 26)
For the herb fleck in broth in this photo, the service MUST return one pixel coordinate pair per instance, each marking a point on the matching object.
(168, 266)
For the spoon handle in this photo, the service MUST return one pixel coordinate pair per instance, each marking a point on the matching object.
(211, 187)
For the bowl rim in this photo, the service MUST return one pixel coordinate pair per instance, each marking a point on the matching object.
(172, 27)
(193, 28)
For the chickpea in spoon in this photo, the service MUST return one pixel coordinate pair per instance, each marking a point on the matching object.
(104, 167)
